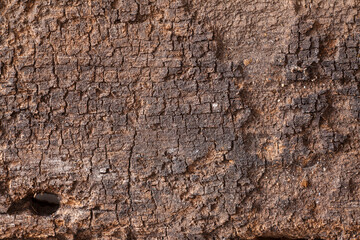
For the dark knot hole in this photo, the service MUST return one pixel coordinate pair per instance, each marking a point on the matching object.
(44, 204)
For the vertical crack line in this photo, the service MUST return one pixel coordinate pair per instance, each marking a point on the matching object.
(54, 227)
(129, 176)
(117, 212)
(107, 157)
(41, 159)
(91, 218)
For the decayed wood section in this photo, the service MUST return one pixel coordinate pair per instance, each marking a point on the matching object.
(179, 119)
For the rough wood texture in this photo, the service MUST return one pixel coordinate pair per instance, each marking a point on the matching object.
(180, 119)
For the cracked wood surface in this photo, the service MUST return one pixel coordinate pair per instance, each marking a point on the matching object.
(180, 119)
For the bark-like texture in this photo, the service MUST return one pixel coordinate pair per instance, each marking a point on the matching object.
(180, 119)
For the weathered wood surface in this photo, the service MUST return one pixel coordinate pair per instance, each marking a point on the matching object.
(180, 119)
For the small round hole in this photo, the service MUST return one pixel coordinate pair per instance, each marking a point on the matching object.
(45, 204)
